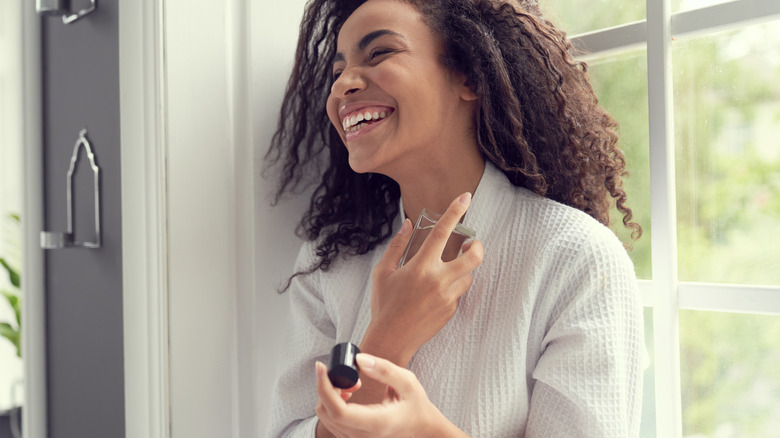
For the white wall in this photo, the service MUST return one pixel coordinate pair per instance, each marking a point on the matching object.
(203, 249)
(274, 30)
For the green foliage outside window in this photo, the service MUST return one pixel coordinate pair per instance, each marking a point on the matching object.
(727, 126)
(727, 158)
(13, 330)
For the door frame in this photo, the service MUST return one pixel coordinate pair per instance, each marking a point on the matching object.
(35, 412)
(156, 404)
(188, 319)
(144, 219)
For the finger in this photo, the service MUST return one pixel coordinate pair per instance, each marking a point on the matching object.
(347, 393)
(335, 414)
(400, 380)
(395, 249)
(469, 260)
(329, 397)
(436, 241)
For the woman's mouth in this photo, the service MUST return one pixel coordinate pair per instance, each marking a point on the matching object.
(363, 120)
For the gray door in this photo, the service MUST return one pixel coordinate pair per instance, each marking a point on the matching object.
(83, 286)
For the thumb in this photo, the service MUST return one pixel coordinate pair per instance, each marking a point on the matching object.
(395, 249)
(400, 380)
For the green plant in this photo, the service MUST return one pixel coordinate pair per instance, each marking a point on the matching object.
(7, 330)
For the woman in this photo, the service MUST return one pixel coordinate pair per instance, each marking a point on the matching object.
(536, 329)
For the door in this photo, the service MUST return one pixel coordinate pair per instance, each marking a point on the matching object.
(83, 287)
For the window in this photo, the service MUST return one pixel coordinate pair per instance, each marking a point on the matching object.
(699, 121)
(11, 392)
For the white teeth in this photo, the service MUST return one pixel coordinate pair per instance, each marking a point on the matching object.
(350, 124)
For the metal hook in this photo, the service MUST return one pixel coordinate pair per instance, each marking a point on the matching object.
(62, 7)
(55, 240)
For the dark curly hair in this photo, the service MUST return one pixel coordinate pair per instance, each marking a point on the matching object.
(536, 118)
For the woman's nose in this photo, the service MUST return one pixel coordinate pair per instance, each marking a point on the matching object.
(349, 81)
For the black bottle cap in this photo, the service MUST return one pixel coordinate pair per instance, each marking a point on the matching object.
(343, 369)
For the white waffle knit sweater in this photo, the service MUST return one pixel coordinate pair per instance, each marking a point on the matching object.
(547, 342)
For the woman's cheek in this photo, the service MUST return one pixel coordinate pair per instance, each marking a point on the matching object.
(333, 114)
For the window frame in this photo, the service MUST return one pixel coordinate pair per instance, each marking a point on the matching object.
(664, 293)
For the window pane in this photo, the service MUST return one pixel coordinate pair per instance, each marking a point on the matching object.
(730, 375)
(647, 429)
(727, 126)
(11, 367)
(687, 5)
(620, 82)
(576, 16)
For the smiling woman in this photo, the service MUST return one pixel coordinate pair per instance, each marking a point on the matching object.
(429, 110)
(535, 329)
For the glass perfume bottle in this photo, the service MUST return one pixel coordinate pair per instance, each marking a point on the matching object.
(460, 236)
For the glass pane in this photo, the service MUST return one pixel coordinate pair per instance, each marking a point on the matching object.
(647, 428)
(620, 82)
(576, 16)
(687, 5)
(730, 375)
(727, 126)
(11, 369)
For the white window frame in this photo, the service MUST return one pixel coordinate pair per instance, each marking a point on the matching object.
(35, 412)
(665, 294)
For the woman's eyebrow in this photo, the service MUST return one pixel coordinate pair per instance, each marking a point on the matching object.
(366, 40)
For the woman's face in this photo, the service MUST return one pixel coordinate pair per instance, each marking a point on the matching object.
(395, 106)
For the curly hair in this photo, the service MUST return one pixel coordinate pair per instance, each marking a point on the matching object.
(536, 118)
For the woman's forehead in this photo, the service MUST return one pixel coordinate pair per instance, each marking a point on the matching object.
(396, 15)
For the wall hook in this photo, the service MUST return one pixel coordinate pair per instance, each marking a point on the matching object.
(62, 7)
(55, 240)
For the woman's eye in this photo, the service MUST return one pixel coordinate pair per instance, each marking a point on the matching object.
(378, 52)
(336, 75)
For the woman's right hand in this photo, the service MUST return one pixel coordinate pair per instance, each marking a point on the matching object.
(411, 304)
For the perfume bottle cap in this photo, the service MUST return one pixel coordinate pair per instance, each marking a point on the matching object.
(343, 369)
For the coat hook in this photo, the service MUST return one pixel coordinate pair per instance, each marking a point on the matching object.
(56, 240)
(62, 7)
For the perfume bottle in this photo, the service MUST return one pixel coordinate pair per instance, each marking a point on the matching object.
(460, 236)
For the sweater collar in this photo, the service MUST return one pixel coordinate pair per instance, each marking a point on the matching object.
(491, 192)
(490, 195)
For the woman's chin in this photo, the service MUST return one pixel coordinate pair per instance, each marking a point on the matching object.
(360, 164)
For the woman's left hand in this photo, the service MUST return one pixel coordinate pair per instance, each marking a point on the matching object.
(404, 411)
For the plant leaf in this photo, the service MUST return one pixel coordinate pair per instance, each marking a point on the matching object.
(9, 332)
(16, 304)
(13, 300)
(13, 274)
(14, 336)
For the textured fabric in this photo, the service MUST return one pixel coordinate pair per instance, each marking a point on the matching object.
(547, 342)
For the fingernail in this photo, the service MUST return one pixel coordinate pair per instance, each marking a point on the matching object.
(465, 198)
(365, 361)
(319, 367)
(406, 227)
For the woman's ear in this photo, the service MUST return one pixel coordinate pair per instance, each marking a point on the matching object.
(460, 85)
(466, 91)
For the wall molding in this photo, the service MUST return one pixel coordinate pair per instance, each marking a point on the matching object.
(240, 118)
(144, 219)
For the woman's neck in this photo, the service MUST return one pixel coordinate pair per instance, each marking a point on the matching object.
(437, 186)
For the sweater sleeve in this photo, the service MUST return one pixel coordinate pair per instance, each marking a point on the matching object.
(588, 379)
(310, 335)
